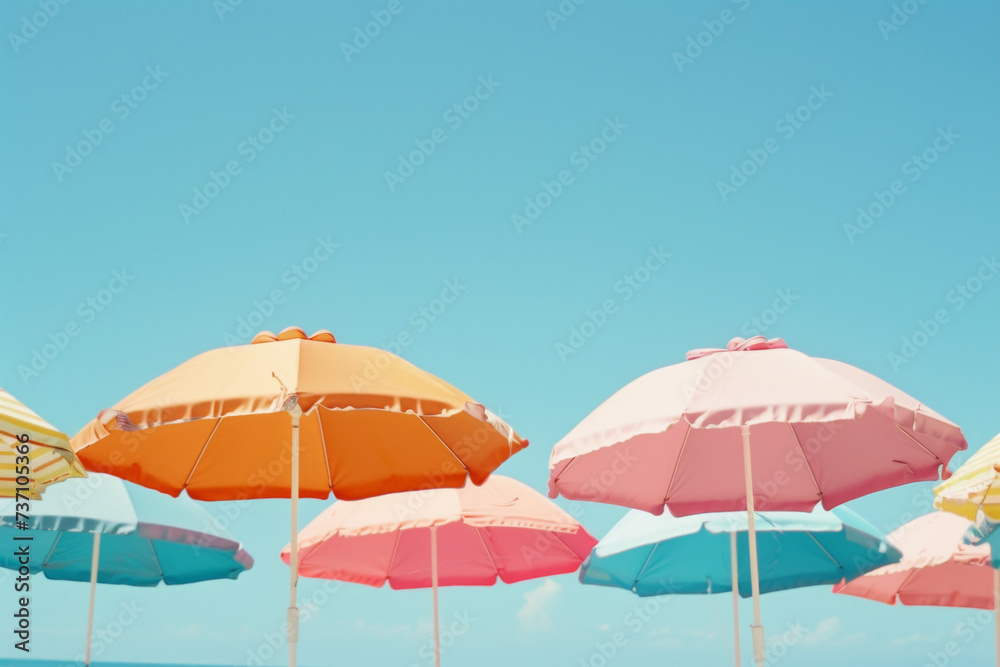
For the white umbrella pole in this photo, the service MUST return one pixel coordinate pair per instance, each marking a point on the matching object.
(434, 586)
(996, 612)
(293, 561)
(756, 629)
(736, 594)
(94, 558)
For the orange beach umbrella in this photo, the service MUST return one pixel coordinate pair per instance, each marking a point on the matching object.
(289, 416)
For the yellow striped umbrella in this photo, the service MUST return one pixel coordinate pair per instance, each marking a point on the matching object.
(974, 486)
(50, 457)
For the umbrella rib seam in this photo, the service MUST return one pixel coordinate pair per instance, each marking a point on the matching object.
(488, 552)
(828, 554)
(322, 442)
(917, 442)
(156, 559)
(52, 549)
(642, 569)
(673, 474)
(204, 447)
(443, 443)
(392, 558)
(563, 542)
(806, 459)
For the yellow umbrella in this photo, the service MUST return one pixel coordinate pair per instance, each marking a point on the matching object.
(974, 486)
(50, 458)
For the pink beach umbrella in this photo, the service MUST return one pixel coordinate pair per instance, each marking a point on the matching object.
(443, 537)
(815, 430)
(937, 569)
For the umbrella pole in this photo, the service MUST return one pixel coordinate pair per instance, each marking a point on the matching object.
(94, 558)
(996, 612)
(293, 561)
(434, 586)
(756, 629)
(736, 595)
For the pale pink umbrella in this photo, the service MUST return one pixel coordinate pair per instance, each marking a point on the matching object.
(443, 537)
(937, 569)
(680, 437)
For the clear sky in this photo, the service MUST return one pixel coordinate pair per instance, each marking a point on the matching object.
(173, 170)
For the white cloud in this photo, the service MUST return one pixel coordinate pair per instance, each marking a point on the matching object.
(824, 631)
(534, 616)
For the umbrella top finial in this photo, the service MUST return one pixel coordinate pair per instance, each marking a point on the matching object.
(740, 345)
(293, 333)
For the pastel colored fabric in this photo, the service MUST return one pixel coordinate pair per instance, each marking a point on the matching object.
(147, 537)
(985, 532)
(937, 568)
(292, 416)
(502, 529)
(821, 431)
(658, 555)
(50, 457)
(218, 425)
(973, 487)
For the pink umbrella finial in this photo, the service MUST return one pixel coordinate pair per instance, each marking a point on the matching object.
(739, 344)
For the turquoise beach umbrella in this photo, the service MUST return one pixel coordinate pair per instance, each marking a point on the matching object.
(104, 530)
(705, 553)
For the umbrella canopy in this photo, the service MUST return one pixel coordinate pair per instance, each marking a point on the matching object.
(146, 537)
(502, 529)
(219, 426)
(985, 532)
(822, 431)
(755, 425)
(709, 553)
(937, 568)
(653, 555)
(974, 485)
(294, 415)
(50, 457)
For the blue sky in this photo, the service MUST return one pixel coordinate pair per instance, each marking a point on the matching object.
(172, 170)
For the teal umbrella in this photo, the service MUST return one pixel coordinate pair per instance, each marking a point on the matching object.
(104, 530)
(707, 553)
